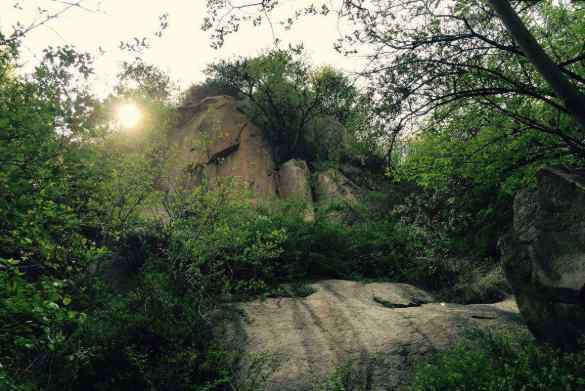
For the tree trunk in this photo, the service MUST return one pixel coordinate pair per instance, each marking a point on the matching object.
(573, 99)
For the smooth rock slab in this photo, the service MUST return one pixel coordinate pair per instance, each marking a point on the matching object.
(343, 322)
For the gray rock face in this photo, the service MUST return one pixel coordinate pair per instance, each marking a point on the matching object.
(333, 186)
(381, 328)
(226, 144)
(544, 257)
(293, 182)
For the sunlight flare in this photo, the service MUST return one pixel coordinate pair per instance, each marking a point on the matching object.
(128, 115)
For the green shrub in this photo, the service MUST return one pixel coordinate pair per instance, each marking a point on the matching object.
(154, 334)
(153, 337)
(467, 170)
(218, 244)
(346, 377)
(475, 281)
(368, 246)
(153, 331)
(35, 321)
(501, 362)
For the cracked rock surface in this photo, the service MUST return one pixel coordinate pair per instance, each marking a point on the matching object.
(222, 141)
(342, 322)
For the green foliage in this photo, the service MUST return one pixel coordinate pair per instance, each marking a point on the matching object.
(49, 175)
(467, 171)
(501, 362)
(218, 243)
(67, 188)
(153, 337)
(474, 280)
(43, 189)
(474, 152)
(34, 319)
(367, 247)
(345, 378)
(114, 268)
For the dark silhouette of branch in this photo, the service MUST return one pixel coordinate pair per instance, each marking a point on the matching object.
(568, 93)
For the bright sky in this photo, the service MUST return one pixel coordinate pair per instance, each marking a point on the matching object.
(184, 49)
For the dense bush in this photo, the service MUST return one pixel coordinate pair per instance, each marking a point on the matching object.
(217, 237)
(501, 362)
(216, 244)
(359, 245)
(72, 197)
(149, 333)
(49, 177)
(143, 318)
(155, 336)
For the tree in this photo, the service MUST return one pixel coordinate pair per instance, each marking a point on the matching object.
(43, 126)
(49, 173)
(45, 14)
(306, 113)
(428, 54)
(573, 99)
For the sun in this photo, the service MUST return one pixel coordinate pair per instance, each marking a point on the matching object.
(128, 115)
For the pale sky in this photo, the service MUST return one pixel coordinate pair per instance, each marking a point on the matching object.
(184, 49)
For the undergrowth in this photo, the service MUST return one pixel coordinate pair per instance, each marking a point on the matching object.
(501, 362)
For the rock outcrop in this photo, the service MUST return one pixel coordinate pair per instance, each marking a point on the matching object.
(216, 140)
(223, 142)
(544, 257)
(381, 328)
(294, 182)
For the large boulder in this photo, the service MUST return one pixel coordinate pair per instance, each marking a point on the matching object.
(544, 257)
(381, 329)
(221, 142)
(294, 183)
